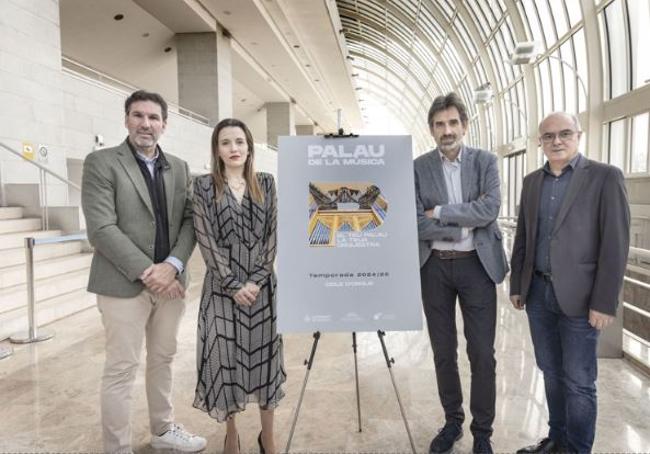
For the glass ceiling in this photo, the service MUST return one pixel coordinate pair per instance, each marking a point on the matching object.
(406, 52)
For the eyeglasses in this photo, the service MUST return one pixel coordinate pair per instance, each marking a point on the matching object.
(564, 135)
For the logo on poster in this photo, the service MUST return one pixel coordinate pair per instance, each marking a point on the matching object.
(336, 155)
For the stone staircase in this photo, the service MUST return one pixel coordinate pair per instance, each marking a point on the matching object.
(60, 274)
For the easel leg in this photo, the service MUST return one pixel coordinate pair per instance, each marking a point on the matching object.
(308, 363)
(356, 377)
(389, 363)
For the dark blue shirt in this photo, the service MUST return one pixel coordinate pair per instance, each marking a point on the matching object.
(554, 189)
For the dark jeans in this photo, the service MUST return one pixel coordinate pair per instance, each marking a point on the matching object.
(565, 351)
(465, 278)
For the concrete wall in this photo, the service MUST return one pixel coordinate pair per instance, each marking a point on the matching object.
(256, 122)
(92, 109)
(30, 89)
(41, 104)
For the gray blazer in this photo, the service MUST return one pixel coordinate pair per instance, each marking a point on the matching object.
(120, 219)
(589, 244)
(480, 207)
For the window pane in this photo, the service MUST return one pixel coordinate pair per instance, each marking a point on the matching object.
(489, 117)
(548, 27)
(604, 52)
(511, 186)
(521, 169)
(569, 73)
(533, 21)
(581, 66)
(557, 82)
(640, 36)
(575, 13)
(557, 6)
(616, 35)
(639, 144)
(526, 20)
(617, 144)
(504, 188)
(546, 89)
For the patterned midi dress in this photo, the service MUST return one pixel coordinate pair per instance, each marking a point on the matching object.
(239, 352)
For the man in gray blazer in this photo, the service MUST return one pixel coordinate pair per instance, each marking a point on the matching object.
(139, 219)
(461, 256)
(568, 261)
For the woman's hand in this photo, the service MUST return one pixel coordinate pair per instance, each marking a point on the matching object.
(245, 297)
(254, 288)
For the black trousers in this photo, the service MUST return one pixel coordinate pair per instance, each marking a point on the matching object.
(442, 282)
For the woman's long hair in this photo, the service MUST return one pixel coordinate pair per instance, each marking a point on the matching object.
(218, 166)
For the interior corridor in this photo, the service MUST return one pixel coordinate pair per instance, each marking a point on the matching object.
(50, 392)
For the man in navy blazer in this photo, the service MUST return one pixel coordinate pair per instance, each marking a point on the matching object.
(568, 261)
(461, 256)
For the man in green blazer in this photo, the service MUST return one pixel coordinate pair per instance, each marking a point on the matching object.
(136, 200)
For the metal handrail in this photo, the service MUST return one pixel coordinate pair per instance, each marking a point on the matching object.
(118, 86)
(42, 177)
(639, 253)
(43, 172)
(32, 335)
(41, 167)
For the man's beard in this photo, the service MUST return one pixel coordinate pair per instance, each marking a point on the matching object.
(449, 145)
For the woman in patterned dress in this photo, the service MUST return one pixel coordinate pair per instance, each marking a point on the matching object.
(239, 352)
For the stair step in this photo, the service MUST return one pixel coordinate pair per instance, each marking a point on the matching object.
(11, 213)
(19, 225)
(46, 311)
(14, 297)
(17, 239)
(16, 256)
(15, 275)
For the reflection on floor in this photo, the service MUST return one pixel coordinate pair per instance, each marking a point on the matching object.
(49, 394)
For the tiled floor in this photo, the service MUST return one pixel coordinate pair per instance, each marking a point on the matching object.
(49, 394)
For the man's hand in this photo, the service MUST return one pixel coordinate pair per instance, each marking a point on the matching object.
(516, 302)
(159, 276)
(429, 213)
(599, 320)
(245, 296)
(174, 291)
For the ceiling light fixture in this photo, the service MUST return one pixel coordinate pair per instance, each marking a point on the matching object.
(523, 53)
(526, 52)
(483, 94)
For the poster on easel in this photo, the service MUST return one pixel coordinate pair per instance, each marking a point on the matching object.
(347, 235)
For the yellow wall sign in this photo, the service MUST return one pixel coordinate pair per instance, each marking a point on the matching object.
(28, 151)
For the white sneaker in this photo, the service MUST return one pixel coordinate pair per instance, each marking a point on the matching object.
(177, 438)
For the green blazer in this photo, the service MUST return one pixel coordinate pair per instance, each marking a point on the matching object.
(120, 219)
